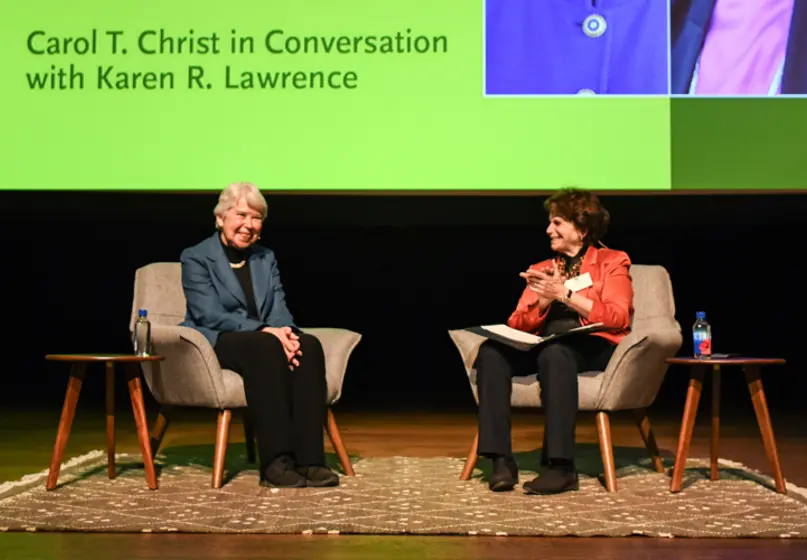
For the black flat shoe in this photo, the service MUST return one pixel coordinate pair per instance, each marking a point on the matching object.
(553, 481)
(318, 476)
(505, 474)
(280, 473)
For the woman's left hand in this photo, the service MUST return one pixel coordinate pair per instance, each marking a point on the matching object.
(290, 342)
(550, 286)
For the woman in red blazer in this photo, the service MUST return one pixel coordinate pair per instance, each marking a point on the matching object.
(583, 283)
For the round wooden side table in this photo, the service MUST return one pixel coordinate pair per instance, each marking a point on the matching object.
(131, 366)
(752, 375)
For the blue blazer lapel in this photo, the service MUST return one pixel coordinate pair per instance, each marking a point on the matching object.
(794, 77)
(690, 19)
(222, 271)
(260, 270)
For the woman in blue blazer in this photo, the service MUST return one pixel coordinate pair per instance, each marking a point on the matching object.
(236, 299)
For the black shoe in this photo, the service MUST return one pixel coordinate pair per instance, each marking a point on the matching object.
(280, 473)
(318, 476)
(505, 474)
(553, 480)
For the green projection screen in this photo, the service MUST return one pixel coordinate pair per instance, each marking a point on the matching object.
(362, 96)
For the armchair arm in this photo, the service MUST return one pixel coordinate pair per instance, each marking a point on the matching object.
(337, 345)
(637, 368)
(190, 375)
(467, 344)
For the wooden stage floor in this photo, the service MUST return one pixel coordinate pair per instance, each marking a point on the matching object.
(26, 440)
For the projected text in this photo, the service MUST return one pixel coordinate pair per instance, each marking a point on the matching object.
(69, 63)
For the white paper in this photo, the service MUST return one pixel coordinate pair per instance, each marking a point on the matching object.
(521, 339)
(513, 334)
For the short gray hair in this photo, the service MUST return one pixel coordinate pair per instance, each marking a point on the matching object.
(230, 196)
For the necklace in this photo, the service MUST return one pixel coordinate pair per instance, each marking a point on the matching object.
(239, 264)
(575, 270)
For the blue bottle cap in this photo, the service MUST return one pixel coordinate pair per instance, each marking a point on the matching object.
(142, 313)
(700, 315)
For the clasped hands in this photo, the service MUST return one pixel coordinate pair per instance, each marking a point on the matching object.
(290, 341)
(547, 283)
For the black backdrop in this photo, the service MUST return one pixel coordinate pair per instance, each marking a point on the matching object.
(400, 270)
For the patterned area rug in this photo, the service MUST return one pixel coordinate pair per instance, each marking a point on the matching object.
(401, 495)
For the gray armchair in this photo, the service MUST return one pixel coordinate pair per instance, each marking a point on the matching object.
(191, 375)
(630, 382)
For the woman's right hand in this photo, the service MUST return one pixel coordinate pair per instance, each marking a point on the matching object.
(532, 278)
(290, 342)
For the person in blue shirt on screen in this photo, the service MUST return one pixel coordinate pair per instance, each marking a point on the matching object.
(545, 47)
(739, 47)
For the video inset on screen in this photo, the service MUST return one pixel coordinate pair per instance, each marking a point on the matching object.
(739, 47)
(570, 47)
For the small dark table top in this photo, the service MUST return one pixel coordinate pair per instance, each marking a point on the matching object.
(102, 358)
(733, 361)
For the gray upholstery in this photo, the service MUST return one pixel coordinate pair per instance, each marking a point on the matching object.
(637, 368)
(191, 375)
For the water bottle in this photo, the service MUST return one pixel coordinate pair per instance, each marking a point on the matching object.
(142, 334)
(702, 336)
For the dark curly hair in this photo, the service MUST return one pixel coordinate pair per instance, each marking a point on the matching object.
(583, 209)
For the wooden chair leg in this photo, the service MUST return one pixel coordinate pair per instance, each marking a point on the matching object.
(249, 437)
(338, 446)
(765, 427)
(222, 435)
(160, 427)
(643, 422)
(470, 461)
(606, 450)
(66, 421)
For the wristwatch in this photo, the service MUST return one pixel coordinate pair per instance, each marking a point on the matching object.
(567, 297)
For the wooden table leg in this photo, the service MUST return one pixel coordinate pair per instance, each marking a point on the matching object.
(687, 424)
(715, 447)
(160, 427)
(754, 379)
(110, 419)
(68, 412)
(136, 395)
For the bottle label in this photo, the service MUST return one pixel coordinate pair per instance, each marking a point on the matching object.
(702, 344)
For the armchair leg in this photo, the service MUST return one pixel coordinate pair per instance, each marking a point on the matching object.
(606, 450)
(338, 446)
(643, 422)
(160, 427)
(470, 461)
(249, 437)
(222, 435)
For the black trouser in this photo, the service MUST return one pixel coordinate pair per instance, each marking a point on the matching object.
(558, 364)
(287, 407)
